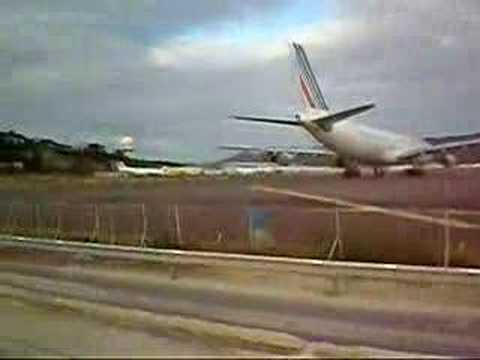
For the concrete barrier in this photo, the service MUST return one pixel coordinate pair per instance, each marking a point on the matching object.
(318, 279)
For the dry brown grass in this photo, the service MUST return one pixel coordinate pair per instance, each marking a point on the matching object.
(213, 214)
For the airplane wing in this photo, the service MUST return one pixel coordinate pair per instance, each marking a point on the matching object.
(271, 120)
(310, 151)
(241, 148)
(451, 138)
(439, 148)
(296, 151)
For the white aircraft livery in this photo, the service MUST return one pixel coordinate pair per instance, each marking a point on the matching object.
(357, 144)
(139, 171)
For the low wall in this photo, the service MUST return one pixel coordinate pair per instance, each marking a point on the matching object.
(400, 308)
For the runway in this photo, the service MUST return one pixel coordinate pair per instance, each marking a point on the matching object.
(456, 188)
(338, 202)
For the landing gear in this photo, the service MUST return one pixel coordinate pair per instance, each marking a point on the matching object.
(352, 172)
(415, 171)
(417, 166)
(378, 172)
(448, 160)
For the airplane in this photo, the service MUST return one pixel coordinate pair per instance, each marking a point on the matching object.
(357, 144)
(166, 171)
(139, 171)
(280, 155)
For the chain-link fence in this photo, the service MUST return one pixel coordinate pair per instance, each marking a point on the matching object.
(322, 233)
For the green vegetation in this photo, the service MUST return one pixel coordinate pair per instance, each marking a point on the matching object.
(49, 156)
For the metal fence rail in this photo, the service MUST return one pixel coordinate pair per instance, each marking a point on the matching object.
(312, 266)
(334, 233)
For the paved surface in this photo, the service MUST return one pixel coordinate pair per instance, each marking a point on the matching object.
(30, 330)
(457, 188)
(444, 188)
(399, 324)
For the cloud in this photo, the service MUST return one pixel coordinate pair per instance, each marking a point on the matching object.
(221, 49)
(212, 54)
(169, 73)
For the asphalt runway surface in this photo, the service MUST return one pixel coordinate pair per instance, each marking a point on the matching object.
(445, 188)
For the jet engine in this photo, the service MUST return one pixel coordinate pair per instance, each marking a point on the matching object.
(448, 160)
(280, 158)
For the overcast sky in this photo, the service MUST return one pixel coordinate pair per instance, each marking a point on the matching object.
(168, 73)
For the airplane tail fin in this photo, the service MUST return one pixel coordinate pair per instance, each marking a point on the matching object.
(317, 109)
(309, 89)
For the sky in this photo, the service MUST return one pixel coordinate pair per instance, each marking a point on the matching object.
(169, 73)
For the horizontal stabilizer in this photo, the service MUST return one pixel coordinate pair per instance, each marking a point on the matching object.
(324, 121)
(271, 120)
(342, 115)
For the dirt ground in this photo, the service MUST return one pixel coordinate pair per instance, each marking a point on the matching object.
(225, 214)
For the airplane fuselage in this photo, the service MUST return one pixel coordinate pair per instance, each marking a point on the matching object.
(354, 143)
(363, 144)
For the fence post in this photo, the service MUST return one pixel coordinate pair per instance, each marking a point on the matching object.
(145, 226)
(446, 250)
(338, 237)
(37, 220)
(341, 250)
(112, 229)
(96, 224)
(219, 236)
(9, 218)
(178, 228)
(251, 234)
(58, 223)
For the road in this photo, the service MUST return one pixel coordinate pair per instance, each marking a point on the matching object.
(33, 330)
(394, 316)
